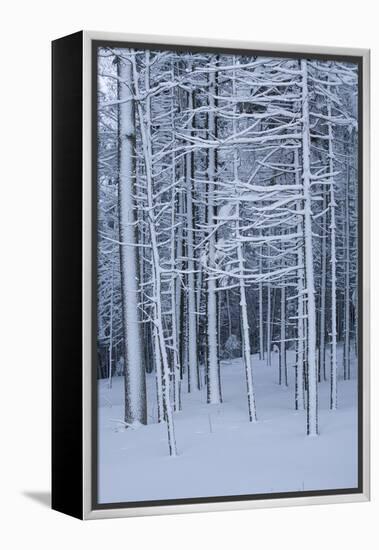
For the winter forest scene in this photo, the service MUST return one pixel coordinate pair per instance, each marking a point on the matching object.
(227, 274)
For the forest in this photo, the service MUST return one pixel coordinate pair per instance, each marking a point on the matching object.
(227, 260)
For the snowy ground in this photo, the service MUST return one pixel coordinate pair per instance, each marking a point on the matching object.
(220, 452)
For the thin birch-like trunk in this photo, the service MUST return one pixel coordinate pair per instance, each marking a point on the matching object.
(299, 382)
(322, 366)
(213, 370)
(229, 313)
(242, 289)
(110, 356)
(347, 369)
(245, 325)
(283, 380)
(260, 292)
(173, 294)
(312, 402)
(193, 382)
(268, 324)
(158, 373)
(333, 361)
(144, 120)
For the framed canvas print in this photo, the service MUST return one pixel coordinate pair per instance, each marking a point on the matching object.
(210, 275)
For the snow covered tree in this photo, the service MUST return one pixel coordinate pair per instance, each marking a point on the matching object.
(227, 231)
(135, 385)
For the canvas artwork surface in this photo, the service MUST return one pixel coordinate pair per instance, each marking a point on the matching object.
(227, 356)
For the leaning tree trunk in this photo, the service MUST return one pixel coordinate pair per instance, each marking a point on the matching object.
(246, 353)
(135, 383)
(245, 325)
(145, 123)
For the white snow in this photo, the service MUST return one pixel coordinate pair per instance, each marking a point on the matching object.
(219, 451)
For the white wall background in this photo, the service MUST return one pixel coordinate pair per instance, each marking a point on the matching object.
(27, 28)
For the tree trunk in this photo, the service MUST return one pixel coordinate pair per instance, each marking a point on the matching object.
(268, 324)
(323, 292)
(193, 382)
(333, 361)
(214, 382)
(260, 291)
(299, 383)
(282, 356)
(346, 369)
(135, 384)
(144, 120)
(110, 358)
(312, 403)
